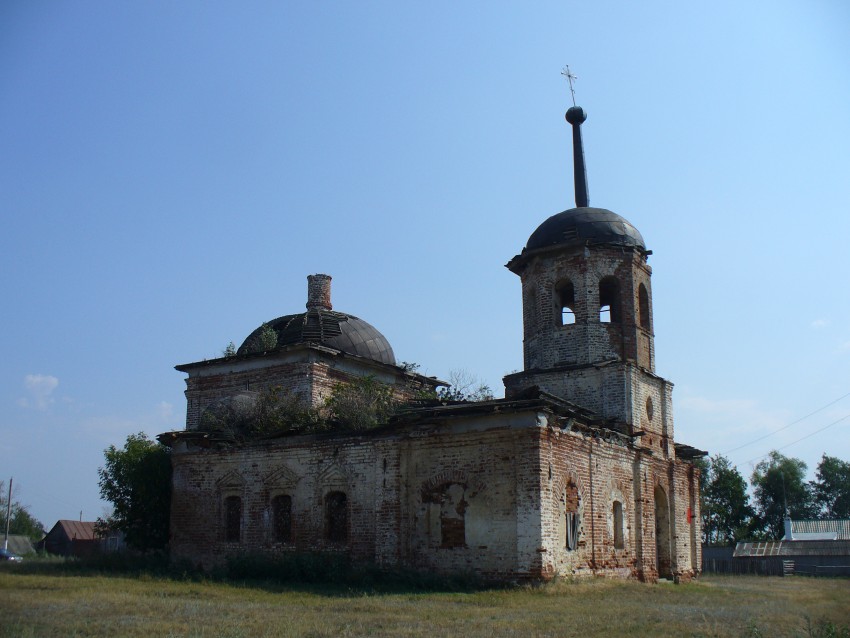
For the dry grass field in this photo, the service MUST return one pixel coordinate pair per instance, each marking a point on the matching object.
(64, 603)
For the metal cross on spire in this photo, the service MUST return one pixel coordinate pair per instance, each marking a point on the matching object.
(576, 116)
(570, 78)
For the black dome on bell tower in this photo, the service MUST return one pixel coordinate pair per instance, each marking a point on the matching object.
(585, 226)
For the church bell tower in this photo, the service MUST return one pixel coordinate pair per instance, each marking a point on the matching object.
(587, 314)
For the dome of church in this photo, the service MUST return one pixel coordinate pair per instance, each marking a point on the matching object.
(320, 325)
(327, 328)
(585, 225)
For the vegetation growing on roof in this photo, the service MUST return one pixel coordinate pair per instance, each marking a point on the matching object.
(465, 386)
(360, 404)
(252, 415)
(267, 339)
(356, 405)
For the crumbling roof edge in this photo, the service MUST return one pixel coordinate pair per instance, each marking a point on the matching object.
(687, 452)
(517, 262)
(188, 367)
(530, 399)
(568, 367)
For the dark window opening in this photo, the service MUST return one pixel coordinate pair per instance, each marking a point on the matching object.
(233, 519)
(573, 521)
(282, 518)
(618, 525)
(663, 548)
(643, 306)
(565, 298)
(336, 517)
(609, 300)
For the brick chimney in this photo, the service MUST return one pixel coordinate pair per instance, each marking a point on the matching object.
(319, 292)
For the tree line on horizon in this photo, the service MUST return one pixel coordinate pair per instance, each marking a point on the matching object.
(21, 522)
(779, 489)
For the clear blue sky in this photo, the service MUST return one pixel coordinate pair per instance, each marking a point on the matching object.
(172, 171)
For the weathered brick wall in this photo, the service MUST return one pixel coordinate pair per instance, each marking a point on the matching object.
(311, 378)
(306, 468)
(606, 367)
(620, 391)
(386, 478)
(602, 472)
(605, 472)
(203, 391)
(505, 480)
(686, 532)
(547, 343)
(488, 469)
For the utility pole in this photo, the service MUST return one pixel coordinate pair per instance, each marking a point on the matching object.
(8, 515)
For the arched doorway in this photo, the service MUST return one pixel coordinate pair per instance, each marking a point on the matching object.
(662, 534)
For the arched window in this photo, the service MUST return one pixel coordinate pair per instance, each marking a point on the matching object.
(663, 548)
(233, 519)
(446, 514)
(609, 300)
(643, 307)
(565, 300)
(336, 517)
(282, 518)
(617, 512)
(453, 516)
(572, 523)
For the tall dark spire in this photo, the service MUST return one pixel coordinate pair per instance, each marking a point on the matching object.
(575, 116)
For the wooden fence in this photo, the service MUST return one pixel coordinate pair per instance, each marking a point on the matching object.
(771, 566)
(774, 566)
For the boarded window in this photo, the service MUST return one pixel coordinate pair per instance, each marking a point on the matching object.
(572, 527)
(453, 516)
(336, 517)
(233, 519)
(617, 512)
(282, 518)
(609, 300)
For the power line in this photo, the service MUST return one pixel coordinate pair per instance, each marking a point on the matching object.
(803, 418)
(846, 416)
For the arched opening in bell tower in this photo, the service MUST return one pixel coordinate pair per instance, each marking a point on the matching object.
(565, 300)
(643, 307)
(609, 300)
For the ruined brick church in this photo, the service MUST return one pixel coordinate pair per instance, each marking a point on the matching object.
(575, 471)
